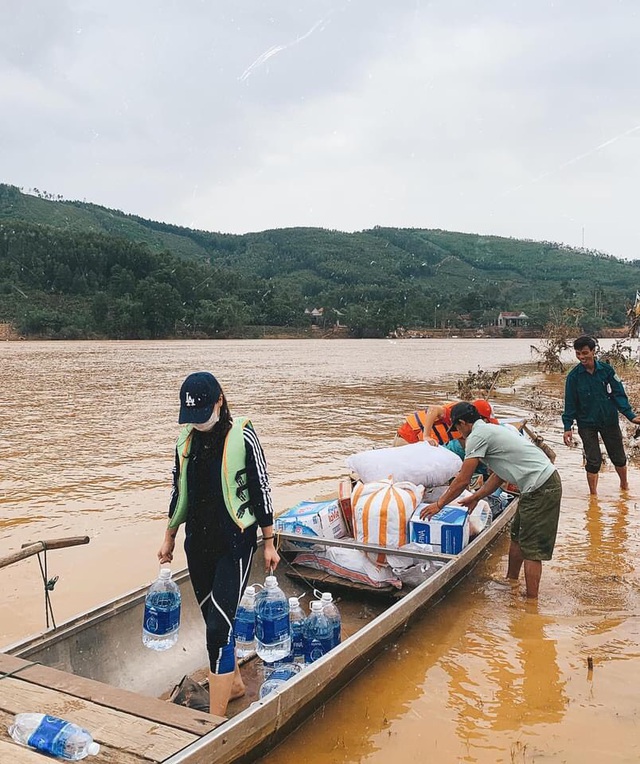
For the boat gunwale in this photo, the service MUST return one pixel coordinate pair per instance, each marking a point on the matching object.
(86, 619)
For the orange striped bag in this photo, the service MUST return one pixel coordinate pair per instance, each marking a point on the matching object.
(381, 513)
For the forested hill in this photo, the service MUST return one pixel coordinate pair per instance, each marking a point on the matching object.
(74, 269)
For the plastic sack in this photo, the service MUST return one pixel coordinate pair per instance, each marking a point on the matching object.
(417, 463)
(480, 518)
(352, 565)
(381, 513)
(398, 562)
(434, 493)
(414, 575)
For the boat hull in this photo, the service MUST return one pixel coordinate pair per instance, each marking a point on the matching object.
(105, 645)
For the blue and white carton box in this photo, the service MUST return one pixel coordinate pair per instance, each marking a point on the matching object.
(322, 519)
(447, 531)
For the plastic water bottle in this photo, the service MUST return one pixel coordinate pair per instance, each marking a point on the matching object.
(330, 609)
(53, 736)
(318, 633)
(244, 625)
(273, 640)
(296, 628)
(161, 613)
(278, 677)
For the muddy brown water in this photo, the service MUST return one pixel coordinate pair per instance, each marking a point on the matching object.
(483, 676)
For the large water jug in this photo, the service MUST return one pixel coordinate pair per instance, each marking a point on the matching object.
(54, 736)
(296, 628)
(244, 625)
(318, 633)
(161, 620)
(330, 609)
(273, 640)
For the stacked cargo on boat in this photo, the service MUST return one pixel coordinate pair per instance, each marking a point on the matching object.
(379, 506)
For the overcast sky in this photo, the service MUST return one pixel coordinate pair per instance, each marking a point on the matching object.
(510, 117)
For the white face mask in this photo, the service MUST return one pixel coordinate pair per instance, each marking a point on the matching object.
(210, 423)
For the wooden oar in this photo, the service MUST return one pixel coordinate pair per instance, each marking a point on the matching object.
(539, 441)
(28, 550)
(490, 390)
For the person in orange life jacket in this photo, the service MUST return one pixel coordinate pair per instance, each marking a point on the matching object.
(433, 424)
(221, 492)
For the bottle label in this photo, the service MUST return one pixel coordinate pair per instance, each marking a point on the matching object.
(244, 627)
(49, 736)
(272, 630)
(282, 674)
(159, 621)
(315, 649)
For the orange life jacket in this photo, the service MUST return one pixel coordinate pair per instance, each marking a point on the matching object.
(412, 429)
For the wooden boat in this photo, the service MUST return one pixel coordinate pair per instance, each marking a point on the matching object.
(94, 670)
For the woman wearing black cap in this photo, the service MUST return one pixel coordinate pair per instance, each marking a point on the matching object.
(221, 492)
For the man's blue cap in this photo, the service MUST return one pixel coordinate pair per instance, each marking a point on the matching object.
(198, 396)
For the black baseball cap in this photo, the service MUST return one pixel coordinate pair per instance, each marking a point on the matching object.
(463, 410)
(198, 396)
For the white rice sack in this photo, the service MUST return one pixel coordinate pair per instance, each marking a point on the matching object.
(351, 564)
(417, 463)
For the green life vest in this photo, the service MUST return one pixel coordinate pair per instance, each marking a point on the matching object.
(234, 475)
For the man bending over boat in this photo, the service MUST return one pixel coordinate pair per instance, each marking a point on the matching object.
(517, 460)
(433, 424)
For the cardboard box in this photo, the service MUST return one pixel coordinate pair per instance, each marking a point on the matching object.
(344, 500)
(322, 519)
(447, 531)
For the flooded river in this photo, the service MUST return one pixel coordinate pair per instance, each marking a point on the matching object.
(86, 448)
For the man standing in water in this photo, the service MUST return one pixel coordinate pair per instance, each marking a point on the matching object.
(593, 397)
(519, 461)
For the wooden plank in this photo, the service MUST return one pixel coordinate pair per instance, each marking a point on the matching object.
(353, 544)
(62, 543)
(146, 739)
(28, 550)
(17, 754)
(160, 711)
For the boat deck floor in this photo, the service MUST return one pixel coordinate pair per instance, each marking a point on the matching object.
(130, 728)
(355, 611)
(133, 728)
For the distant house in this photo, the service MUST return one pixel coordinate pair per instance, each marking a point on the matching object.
(322, 317)
(316, 314)
(512, 318)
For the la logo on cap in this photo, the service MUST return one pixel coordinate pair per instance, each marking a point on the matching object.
(189, 399)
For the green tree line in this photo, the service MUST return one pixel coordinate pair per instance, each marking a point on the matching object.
(76, 270)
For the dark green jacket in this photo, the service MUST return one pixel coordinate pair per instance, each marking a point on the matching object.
(594, 400)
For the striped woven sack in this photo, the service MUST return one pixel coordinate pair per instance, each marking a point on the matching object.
(381, 513)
